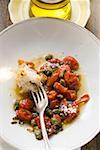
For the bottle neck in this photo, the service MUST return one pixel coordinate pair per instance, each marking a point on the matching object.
(51, 1)
(50, 4)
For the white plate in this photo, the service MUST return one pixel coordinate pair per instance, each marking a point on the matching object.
(19, 10)
(45, 35)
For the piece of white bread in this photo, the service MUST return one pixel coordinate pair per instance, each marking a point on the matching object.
(27, 79)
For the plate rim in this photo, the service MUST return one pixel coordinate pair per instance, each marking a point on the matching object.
(13, 19)
(96, 40)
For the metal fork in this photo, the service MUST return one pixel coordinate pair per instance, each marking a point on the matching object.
(41, 102)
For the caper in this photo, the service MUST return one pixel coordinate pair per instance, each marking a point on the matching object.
(16, 105)
(48, 57)
(60, 96)
(14, 122)
(35, 114)
(62, 74)
(62, 81)
(54, 121)
(62, 115)
(21, 122)
(49, 112)
(56, 111)
(15, 118)
(58, 128)
(47, 72)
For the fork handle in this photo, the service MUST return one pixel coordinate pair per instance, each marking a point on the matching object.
(44, 132)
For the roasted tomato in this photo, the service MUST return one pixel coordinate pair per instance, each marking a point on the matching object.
(26, 104)
(54, 103)
(53, 78)
(71, 95)
(72, 81)
(85, 98)
(52, 95)
(72, 62)
(24, 115)
(60, 88)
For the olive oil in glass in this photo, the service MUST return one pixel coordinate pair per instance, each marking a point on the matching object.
(51, 8)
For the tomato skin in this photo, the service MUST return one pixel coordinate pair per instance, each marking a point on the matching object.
(72, 62)
(52, 95)
(26, 104)
(24, 115)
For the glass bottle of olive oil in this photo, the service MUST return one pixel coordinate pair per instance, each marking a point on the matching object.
(51, 8)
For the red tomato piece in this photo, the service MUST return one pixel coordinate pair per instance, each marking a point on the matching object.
(52, 95)
(71, 95)
(85, 98)
(26, 104)
(60, 88)
(72, 62)
(24, 115)
(54, 103)
(72, 81)
(53, 78)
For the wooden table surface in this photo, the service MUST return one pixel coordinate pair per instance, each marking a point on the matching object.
(93, 25)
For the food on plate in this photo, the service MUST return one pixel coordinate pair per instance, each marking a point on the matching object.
(27, 76)
(62, 83)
